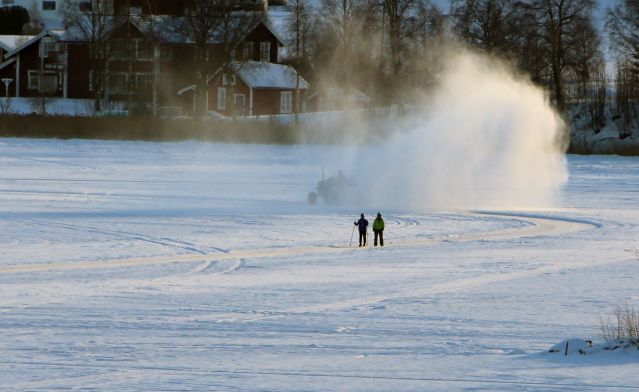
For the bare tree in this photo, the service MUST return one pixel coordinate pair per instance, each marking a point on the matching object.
(198, 27)
(91, 22)
(596, 94)
(299, 28)
(561, 26)
(421, 55)
(234, 26)
(626, 99)
(623, 27)
(492, 25)
(340, 42)
(208, 24)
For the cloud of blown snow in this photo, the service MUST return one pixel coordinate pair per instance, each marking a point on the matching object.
(486, 138)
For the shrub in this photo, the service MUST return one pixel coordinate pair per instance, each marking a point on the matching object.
(624, 326)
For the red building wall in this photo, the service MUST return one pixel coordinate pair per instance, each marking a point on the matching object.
(265, 101)
(29, 60)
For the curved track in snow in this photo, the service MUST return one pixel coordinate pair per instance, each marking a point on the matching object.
(538, 226)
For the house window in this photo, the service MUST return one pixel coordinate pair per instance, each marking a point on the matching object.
(265, 51)
(118, 84)
(120, 49)
(249, 49)
(286, 102)
(221, 98)
(42, 81)
(142, 50)
(143, 82)
(135, 10)
(85, 6)
(228, 80)
(239, 100)
(8, 2)
(48, 6)
(48, 45)
(34, 80)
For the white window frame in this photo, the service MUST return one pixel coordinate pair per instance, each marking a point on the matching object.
(47, 45)
(120, 50)
(221, 98)
(114, 88)
(142, 49)
(265, 51)
(228, 80)
(8, 2)
(33, 80)
(286, 102)
(249, 51)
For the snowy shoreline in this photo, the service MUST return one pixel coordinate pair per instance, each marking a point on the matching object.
(606, 142)
(610, 139)
(314, 128)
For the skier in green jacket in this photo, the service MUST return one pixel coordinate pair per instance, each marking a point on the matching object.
(378, 229)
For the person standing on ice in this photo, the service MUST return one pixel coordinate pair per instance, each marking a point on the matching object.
(362, 225)
(378, 229)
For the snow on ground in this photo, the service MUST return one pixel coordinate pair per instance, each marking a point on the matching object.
(607, 140)
(196, 266)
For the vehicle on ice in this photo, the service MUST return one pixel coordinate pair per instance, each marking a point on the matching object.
(332, 190)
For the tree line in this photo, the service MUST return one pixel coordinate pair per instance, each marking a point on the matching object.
(391, 48)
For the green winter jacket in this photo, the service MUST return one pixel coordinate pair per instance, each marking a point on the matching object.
(378, 224)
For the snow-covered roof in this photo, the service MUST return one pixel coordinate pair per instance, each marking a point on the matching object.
(35, 38)
(11, 42)
(268, 75)
(7, 63)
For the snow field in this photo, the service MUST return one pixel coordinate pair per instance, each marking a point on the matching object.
(195, 266)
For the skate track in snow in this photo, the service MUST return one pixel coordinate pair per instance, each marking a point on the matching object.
(539, 226)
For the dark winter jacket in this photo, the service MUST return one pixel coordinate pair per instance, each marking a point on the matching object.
(378, 224)
(362, 224)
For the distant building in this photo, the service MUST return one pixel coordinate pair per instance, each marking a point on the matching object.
(152, 65)
(48, 13)
(36, 64)
(257, 88)
(145, 67)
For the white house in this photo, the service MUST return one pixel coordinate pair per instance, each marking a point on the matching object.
(47, 12)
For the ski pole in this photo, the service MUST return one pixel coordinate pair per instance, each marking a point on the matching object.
(352, 233)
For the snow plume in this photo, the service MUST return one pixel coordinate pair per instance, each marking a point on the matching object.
(486, 138)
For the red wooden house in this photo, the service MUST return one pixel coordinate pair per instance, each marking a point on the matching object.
(148, 64)
(257, 88)
(38, 65)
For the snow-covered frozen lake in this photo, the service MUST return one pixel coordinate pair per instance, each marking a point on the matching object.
(197, 266)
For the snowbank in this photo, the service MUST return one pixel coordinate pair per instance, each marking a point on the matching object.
(612, 348)
(54, 106)
(609, 139)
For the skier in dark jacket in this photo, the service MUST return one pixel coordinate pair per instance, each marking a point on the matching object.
(362, 225)
(378, 229)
